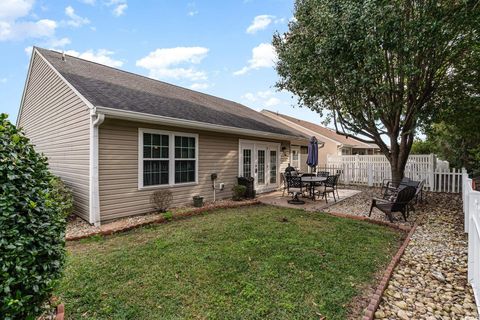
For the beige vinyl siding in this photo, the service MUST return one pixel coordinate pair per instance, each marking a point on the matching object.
(57, 122)
(329, 148)
(118, 168)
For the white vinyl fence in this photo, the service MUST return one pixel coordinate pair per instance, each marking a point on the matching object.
(471, 209)
(372, 170)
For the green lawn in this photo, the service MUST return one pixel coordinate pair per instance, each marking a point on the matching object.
(257, 262)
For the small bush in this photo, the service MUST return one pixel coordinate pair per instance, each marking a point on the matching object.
(239, 192)
(63, 196)
(32, 226)
(168, 216)
(161, 200)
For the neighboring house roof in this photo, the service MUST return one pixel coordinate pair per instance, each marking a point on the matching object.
(108, 87)
(325, 132)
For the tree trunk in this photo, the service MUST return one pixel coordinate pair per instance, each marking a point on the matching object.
(398, 157)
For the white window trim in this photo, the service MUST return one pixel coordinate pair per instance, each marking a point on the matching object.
(171, 158)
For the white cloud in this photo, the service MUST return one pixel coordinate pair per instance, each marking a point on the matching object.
(3, 80)
(102, 56)
(28, 50)
(58, 43)
(43, 28)
(175, 63)
(263, 56)
(75, 20)
(262, 21)
(262, 99)
(259, 23)
(12, 29)
(120, 9)
(192, 9)
(119, 6)
(199, 86)
(10, 10)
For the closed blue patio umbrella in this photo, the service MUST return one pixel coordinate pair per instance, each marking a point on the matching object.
(312, 158)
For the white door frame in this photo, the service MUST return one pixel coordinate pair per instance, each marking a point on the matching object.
(255, 146)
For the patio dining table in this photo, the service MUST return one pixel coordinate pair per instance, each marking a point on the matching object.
(312, 181)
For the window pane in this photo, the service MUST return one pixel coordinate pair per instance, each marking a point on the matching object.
(247, 163)
(156, 139)
(184, 171)
(165, 140)
(273, 166)
(164, 152)
(147, 139)
(155, 172)
(156, 152)
(155, 146)
(184, 148)
(147, 152)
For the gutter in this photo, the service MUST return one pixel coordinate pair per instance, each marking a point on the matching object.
(150, 118)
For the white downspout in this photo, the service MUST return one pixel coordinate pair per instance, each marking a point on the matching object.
(94, 200)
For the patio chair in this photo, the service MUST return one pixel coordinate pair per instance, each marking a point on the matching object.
(328, 186)
(295, 188)
(397, 203)
(389, 187)
(336, 184)
(322, 174)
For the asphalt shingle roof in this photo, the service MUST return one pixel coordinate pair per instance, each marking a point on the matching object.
(113, 88)
(326, 132)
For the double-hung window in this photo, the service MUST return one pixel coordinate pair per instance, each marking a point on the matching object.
(167, 158)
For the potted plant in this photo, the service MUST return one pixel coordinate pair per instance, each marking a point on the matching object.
(238, 192)
(197, 201)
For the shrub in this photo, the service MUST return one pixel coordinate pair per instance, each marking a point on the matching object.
(32, 227)
(239, 192)
(161, 199)
(63, 196)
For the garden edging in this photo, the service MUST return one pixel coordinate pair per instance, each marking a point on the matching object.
(161, 219)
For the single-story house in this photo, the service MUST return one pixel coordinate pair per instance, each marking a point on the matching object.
(334, 143)
(115, 137)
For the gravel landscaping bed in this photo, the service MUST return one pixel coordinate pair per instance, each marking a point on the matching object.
(359, 205)
(430, 281)
(77, 227)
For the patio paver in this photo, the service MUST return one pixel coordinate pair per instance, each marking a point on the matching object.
(276, 199)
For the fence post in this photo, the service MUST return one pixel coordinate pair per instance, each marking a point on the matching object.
(369, 175)
(465, 198)
(431, 172)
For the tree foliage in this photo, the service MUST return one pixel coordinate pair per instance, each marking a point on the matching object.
(32, 226)
(376, 67)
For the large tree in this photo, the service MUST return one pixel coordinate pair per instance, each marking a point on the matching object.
(375, 67)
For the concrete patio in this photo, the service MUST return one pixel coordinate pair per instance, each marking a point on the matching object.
(276, 199)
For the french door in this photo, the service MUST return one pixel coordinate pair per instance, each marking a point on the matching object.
(260, 160)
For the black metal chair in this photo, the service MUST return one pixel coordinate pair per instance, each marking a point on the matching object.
(397, 203)
(329, 186)
(323, 174)
(295, 188)
(336, 184)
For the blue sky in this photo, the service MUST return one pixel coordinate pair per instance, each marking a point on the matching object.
(217, 47)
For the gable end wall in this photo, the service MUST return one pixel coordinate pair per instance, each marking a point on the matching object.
(57, 122)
